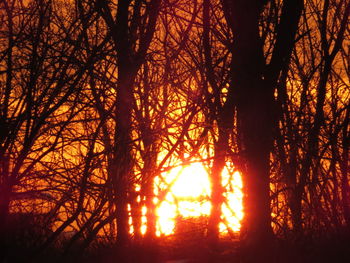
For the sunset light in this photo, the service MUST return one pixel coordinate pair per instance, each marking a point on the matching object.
(188, 196)
(136, 131)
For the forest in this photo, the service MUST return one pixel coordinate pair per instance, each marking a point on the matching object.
(117, 116)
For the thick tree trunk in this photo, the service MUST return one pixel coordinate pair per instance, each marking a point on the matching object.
(254, 102)
(254, 85)
(256, 132)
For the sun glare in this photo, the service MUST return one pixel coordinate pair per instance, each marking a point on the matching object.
(186, 194)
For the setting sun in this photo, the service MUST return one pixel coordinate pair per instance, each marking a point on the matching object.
(187, 195)
(166, 131)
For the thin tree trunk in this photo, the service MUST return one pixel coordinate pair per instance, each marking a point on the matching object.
(151, 210)
(122, 172)
(224, 115)
(217, 189)
(129, 61)
(344, 166)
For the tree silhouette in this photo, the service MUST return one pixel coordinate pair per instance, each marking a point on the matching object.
(100, 100)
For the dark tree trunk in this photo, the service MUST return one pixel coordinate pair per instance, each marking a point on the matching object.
(254, 84)
(344, 166)
(123, 166)
(130, 57)
(150, 156)
(217, 189)
(256, 138)
(255, 103)
(224, 116)
(136, 214)
(151, 211)
(5, 193)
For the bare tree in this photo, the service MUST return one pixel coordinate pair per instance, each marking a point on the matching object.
(41, 79)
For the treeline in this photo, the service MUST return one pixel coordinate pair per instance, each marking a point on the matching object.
(100, 97)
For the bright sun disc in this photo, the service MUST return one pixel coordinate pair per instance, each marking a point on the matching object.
(188, 194)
